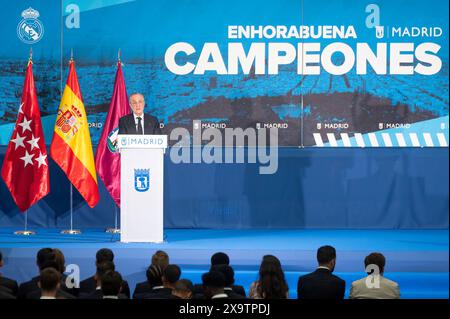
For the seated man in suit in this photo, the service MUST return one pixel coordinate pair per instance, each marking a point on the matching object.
(228, 272)
(89, 285)
(7, 285)
(160, 259)
(102, 269)
(213, 284)
(182, 289)
(375, 285)
(111, 285)
(138, 122)
(220, 258)
(43, 256)
(322, 284)
(50, 283)
(170, 276)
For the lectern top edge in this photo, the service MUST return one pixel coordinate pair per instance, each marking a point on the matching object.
(141, 141)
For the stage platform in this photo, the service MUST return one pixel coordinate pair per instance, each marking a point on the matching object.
(416, 259)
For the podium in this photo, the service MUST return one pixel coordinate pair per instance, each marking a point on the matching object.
(142, 187)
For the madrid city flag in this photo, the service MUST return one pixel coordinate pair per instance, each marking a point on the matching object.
(25, 167)
(107, 159)
(71, 146)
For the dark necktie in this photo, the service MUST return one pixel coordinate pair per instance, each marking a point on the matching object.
(139, 126)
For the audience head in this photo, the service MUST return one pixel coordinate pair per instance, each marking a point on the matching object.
(43, 256)
(227, 271)
(326, 257)
(102, 269)
(49, 281)
(213, 283)
(220, 259)
(183, 289)
(272, 283)
(104, 254)
(60, 260)
(154, 276)
(1, 259)
(111, 283)
(376, 259)
(171, 275)
(161, 259)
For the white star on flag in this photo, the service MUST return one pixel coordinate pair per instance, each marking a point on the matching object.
(33, 142)
(41, 159)
(20, 108)
(18, 141)
(25, 124)
(27, 159)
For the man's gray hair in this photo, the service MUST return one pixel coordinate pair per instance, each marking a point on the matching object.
(135, 93)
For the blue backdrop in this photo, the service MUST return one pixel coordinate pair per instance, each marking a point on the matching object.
(313, 188)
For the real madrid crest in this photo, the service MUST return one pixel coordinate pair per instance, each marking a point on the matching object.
(30, 30)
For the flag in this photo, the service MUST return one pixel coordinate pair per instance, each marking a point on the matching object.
(71, 146)
(107, 159)
(25, 167)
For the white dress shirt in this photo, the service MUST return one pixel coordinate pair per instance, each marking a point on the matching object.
(136, 121)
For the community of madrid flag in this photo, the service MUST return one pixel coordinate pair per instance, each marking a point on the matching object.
(25, 167)
(107, 159)
(71, 146)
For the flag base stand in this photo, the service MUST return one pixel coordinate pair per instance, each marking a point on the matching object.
(71, 232)
(113, 230)
(24, 232)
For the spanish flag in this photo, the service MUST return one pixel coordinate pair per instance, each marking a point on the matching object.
(71, 146)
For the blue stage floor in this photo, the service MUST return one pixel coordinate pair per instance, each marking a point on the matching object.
(417, 260)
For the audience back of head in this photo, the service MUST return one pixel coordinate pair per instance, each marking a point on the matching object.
(220, 258)
(160, 258)
(111, 283)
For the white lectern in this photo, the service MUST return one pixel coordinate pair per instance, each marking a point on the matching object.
(142, 187)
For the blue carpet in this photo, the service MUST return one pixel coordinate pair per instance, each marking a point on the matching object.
(416, 259)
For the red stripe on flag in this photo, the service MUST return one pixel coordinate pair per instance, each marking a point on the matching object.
(72, 81)
(76, 172)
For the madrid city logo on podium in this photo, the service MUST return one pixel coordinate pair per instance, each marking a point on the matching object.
(30, 30)
(142, 180)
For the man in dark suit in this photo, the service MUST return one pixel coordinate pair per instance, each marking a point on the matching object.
(10, 286)
(102, 269)
(43, 257)
(159, 262)
(213, 284)
(220, 258)
(89, 285)
(138, 122)
(170, 276)
(322, 284)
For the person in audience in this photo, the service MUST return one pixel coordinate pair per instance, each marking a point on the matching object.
(322, 284)
(111, 285)
(49, 283)
(102, 269)
(43, 256)
(170, 276)
(7, 285)
(161, 259)
(213, 284)
(271, 283)
(228, 272)
(89, 285)
(182, 289)
(154, 279)
(375, 285)
(219, 258)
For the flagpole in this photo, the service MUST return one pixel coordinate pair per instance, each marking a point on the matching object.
(116, 229)
(71, 231)
(25, 232)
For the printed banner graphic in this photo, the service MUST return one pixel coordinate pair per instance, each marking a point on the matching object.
(325, 73)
